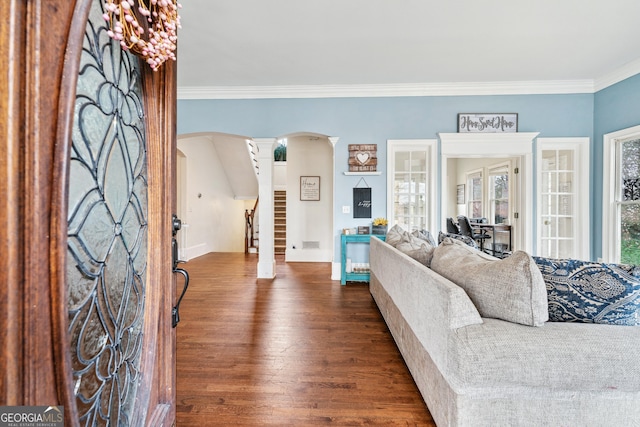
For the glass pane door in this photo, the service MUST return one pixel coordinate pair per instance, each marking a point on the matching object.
(410, 198)
(557, 208)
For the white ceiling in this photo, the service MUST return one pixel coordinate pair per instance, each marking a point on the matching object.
(285, 43)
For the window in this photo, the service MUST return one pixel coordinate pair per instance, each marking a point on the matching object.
(628, 200)
(474, 195)
(411, 174)
(621, 194)
(499, 194)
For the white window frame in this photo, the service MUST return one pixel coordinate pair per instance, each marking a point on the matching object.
(610, 177)
(468, 177)
(582, 200)
(430, 147)
(501, 167)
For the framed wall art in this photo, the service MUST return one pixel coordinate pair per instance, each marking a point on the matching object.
(460, 194)
(310, 188)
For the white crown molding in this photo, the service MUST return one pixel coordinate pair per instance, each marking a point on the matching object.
(412, 89)
(630, 69)
(388, 90)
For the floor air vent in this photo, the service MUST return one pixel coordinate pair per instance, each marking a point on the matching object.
(311, 245)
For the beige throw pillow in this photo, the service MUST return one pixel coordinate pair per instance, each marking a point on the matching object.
(511, 289)
(420, 251)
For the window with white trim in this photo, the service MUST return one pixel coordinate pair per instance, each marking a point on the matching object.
(499, 194)
(628, 199)
(475, 208)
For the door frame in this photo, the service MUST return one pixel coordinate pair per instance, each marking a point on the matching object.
(43, 40)
(518, 145)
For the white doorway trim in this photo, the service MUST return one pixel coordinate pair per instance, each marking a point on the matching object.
(499, 145)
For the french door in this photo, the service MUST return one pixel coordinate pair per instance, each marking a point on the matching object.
(87, 175)
(563, 198)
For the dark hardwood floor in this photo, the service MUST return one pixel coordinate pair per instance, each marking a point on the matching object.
(299, 350)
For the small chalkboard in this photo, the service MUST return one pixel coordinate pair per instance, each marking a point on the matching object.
(362, 202)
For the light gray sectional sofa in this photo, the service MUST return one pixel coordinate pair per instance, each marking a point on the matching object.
(481, 371)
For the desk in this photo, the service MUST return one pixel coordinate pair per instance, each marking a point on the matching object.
(496, 228)
(354, 238)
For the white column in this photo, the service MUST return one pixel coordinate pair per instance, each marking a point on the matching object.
(266, 253)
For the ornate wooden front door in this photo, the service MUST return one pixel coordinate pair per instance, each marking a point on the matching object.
(87, 176)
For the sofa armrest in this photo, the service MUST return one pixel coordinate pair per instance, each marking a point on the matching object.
(432, 305)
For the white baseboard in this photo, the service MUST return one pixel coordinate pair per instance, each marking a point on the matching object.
(308, 255)
(336, 271)
(194, 251)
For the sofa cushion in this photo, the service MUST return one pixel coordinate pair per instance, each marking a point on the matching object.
(510, 289)
(425, 235)
(585, 291)
(459, 237)
(417, 249)
(559, 356)
(396, 235)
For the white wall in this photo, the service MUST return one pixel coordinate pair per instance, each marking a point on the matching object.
(309, 221)
(215, 220)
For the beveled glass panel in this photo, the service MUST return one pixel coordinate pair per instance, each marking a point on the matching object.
(565, 248)
(545, 230)
(107, 230)
(402, 161)
(418, 161)
(565, 204)
(565, 160)
(565, 182)
(565, 227)
(549, 161)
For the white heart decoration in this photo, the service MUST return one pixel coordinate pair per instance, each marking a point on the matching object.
(362, 157)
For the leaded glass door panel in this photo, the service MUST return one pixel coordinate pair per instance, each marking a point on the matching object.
(88, 179)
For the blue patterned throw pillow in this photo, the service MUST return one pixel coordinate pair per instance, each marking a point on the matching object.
(464, 239)
(591, 292)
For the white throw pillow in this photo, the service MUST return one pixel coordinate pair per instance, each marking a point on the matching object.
(510, 289)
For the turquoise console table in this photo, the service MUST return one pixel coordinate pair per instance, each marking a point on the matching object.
(354, 238)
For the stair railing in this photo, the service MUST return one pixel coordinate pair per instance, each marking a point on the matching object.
(249, 228)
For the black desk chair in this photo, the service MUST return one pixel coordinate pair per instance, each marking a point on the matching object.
(467, 230)
(452, 227)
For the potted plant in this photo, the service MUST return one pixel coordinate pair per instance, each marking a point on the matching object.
(379, 226)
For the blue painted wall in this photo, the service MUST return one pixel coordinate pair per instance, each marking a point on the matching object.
(375, 120)
(616, 107)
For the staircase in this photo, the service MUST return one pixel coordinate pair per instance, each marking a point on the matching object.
(279, 222)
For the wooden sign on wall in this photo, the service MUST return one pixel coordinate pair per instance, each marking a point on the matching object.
(363, 157)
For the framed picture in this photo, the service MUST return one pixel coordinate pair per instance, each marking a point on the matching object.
(460, 194)
(487, 122)
(309, 188)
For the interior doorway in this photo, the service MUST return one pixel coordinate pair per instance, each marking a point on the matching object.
(517, 146)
